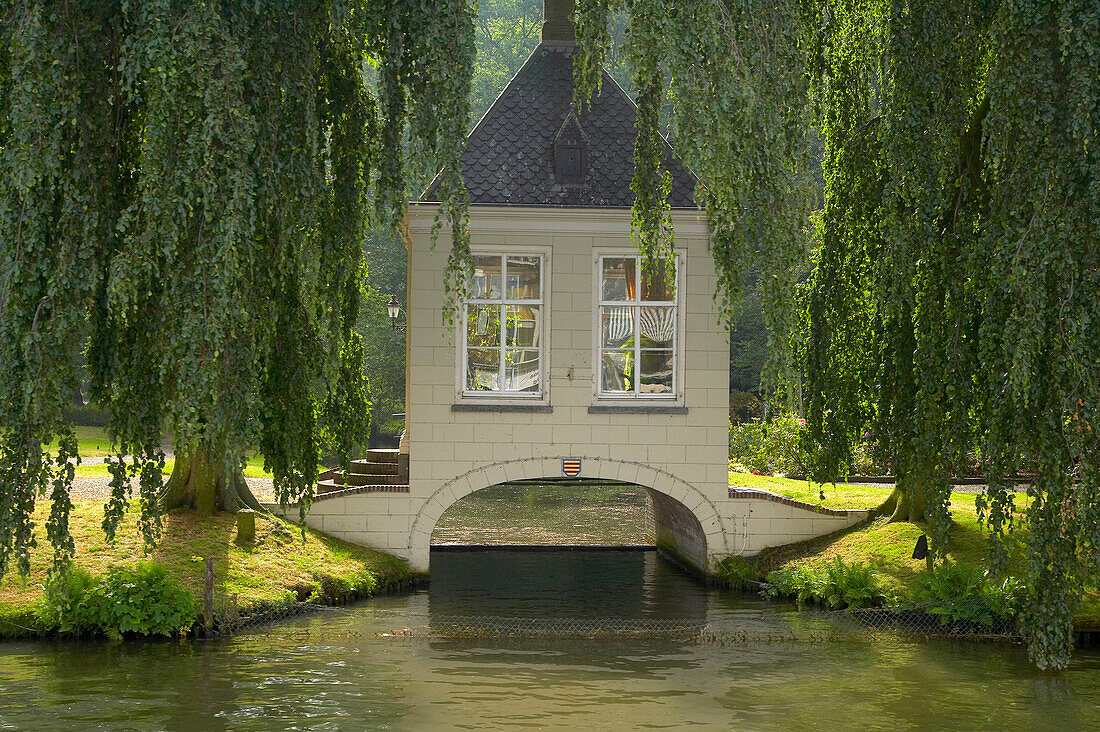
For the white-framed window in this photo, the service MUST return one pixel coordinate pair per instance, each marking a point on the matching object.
(638, 323)
(503, 348)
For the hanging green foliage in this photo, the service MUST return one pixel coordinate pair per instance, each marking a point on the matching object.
(952, 305)
(427, 53)
(185, 187)
(733, 74)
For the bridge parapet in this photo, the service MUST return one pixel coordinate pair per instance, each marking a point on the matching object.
(698, 526)
(760, 519)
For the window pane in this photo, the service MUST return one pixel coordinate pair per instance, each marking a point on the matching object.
(657, 325)
(482, 326)
(521, 370)
(618, 278)
(486, 283)
(617, 326)
(524, 278)
(659, 284)
(656, 376)
(523, 327)
(482, 369)
(616, 372)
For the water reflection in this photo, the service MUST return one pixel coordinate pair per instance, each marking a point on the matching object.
(340, 670)
(583, 583)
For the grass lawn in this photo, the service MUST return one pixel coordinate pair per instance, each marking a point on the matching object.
(280, 565)
(90, 442)
(837, 495)
(886, 546)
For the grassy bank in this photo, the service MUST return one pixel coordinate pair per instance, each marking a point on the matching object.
(888, 547)
(279, 567)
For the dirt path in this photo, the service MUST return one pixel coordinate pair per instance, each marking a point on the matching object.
(91, 489)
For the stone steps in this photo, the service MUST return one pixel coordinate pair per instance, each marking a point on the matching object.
(377, 472)
(369, 467)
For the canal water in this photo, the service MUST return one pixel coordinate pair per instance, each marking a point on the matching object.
(583, 639)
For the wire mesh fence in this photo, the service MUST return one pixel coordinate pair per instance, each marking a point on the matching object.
(962, 619)
(230, 619)
(768, 627)
(972, 618)
(458, 627)
(808, 626)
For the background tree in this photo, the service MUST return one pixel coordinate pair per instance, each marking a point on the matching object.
(384, 348)
(190, 183)
(506, 31)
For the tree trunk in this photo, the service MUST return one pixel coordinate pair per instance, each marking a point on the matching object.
(901, 506)
(197, 482)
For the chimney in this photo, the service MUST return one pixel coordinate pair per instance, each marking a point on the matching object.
(557, 26)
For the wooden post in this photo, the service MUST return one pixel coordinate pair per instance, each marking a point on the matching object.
(208, 595)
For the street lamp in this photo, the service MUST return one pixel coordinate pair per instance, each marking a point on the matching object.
(394, 308)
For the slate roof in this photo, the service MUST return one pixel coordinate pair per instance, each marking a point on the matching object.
(508, 158)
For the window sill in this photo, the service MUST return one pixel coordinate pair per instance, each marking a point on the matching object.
(530, 408)
(637, 409)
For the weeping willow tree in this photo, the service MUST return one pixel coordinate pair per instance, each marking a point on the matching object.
(185, 187)
(953, 304)
(954, 308)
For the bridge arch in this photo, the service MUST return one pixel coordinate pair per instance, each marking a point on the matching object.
(674, 499)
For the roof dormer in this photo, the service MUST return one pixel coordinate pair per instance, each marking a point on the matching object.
(570, 151)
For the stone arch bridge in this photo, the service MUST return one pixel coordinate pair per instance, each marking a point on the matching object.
(697, 525)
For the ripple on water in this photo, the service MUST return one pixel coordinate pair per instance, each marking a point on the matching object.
(339, 671)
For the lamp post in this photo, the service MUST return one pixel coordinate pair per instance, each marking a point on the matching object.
(394, 308)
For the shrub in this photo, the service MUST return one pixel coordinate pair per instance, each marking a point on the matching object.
(851, 585)
(867, 459)
(966, 593)
(799, 581)
(73, 602)
(142, 599)
(835, 585)
(145, 600)
(772, 446)
(745, 406)
(737, 573)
